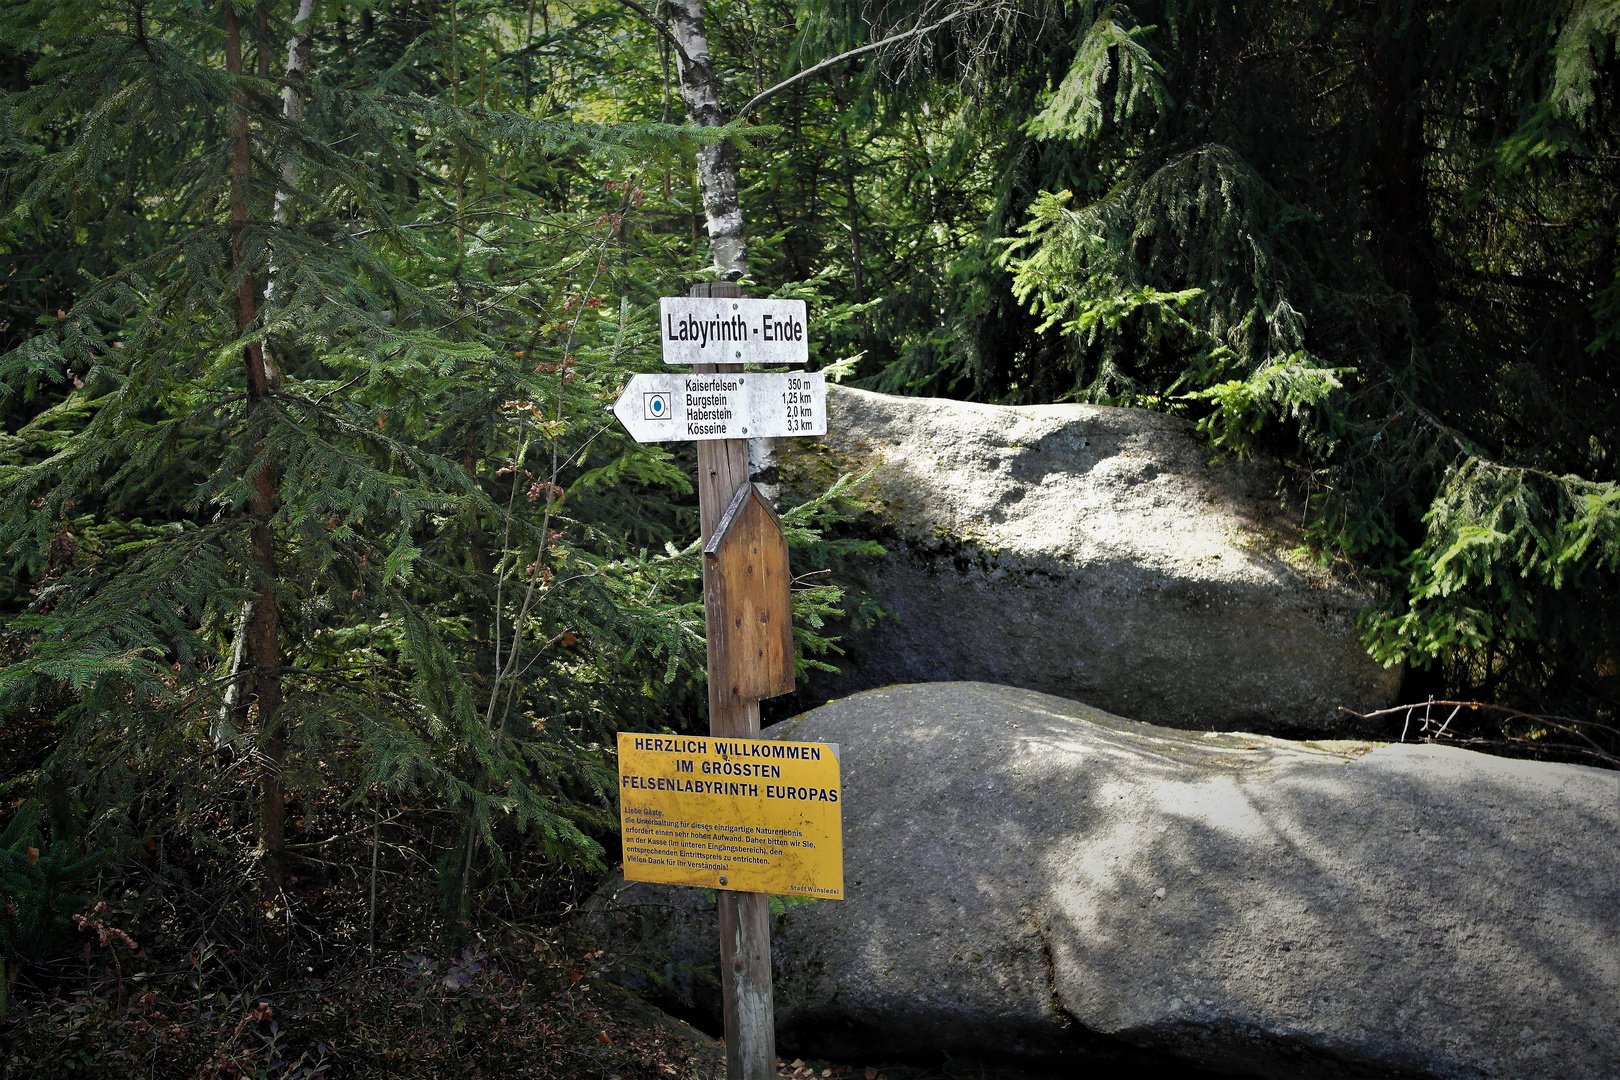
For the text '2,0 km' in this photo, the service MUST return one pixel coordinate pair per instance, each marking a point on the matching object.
(725, 405)
(716, 330)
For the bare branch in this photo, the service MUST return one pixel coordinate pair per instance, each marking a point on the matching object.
(1432, 731)
(916, 31)
(660, 25)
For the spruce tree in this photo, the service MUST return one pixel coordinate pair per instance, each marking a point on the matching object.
(312, 473)
(1379, 239)
(1375, 240)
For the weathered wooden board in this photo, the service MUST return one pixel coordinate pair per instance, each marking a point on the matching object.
(748, 602)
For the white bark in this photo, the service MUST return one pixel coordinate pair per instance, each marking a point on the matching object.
(762, 468)
(292, 101)
(292, 109)
(717, 163)
(225, 728)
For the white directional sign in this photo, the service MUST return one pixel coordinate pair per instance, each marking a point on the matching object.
(719, 330)
(686, 408)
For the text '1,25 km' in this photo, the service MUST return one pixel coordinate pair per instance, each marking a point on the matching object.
(671, 407)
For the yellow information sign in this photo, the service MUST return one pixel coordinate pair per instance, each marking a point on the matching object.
(751, 815)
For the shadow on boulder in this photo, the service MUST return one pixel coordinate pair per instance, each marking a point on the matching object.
(1032, 879)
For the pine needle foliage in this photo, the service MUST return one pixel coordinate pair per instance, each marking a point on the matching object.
(1375, 240)
(40, 864)
(1114, 80)
(476, 577)
(1380, 241)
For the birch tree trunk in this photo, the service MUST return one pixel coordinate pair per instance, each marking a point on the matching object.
(292, 109)
(716, 164)
(229, 723)
(717, 180)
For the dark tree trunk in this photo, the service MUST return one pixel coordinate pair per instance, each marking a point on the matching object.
(263, 628)
(1399, 190)
(854, 208)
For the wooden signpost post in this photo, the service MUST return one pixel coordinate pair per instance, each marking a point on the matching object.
(721, 812)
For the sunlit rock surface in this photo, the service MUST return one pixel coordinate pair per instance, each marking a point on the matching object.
(1094, 553)
(1028, 876)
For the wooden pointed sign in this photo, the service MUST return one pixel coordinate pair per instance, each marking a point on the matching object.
(748, 602)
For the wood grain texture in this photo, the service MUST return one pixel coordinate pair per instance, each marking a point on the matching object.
(745, 920)
(747, 603)
(722, 469)
(745, 969)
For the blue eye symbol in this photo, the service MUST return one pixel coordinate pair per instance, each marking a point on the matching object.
(656, 406)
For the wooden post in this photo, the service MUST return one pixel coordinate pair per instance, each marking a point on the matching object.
(745, 918)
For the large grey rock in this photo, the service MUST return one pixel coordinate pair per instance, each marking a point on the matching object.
(1094, 553)
(1029, 876)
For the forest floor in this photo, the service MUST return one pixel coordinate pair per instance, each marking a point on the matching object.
(514, 1008)
(523, 1007)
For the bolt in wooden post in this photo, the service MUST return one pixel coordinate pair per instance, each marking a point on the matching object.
(745, 918)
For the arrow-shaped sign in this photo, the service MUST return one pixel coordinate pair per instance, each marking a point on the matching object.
(687, 408)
